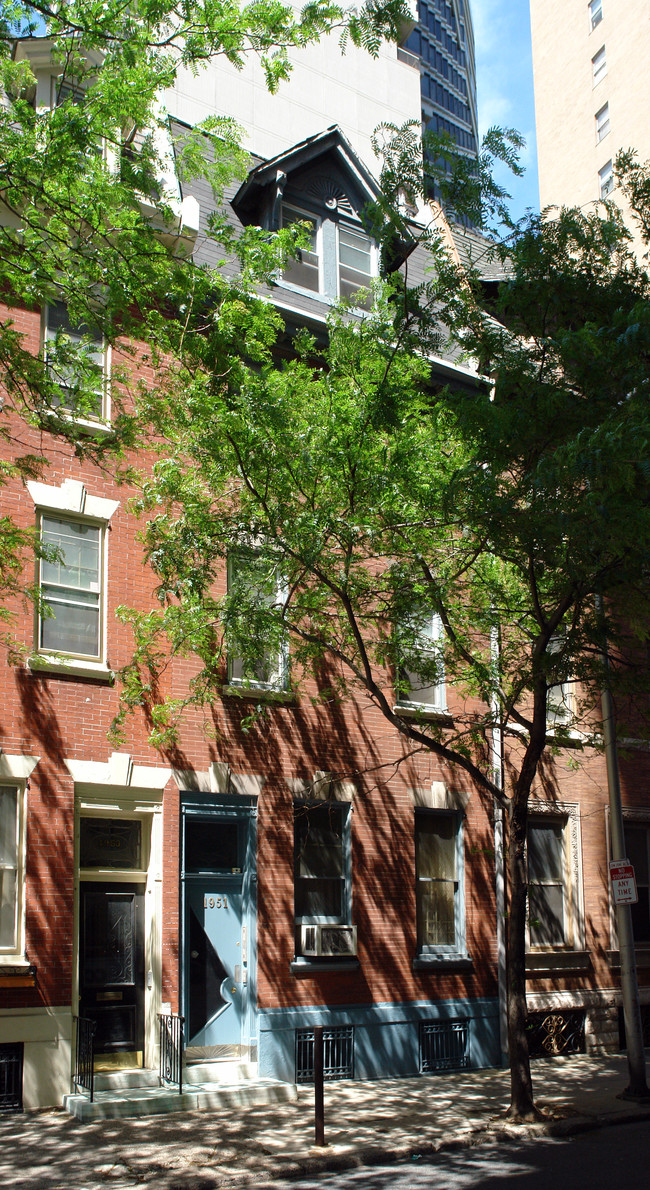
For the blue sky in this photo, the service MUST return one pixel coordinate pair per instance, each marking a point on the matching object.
(505, 85)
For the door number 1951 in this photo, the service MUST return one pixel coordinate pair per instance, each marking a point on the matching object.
(215, 902)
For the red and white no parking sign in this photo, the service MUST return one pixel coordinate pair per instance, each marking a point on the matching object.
(621, 874)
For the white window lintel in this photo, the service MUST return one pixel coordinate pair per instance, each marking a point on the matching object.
(72, 496)
(118, 771)
(16, 768)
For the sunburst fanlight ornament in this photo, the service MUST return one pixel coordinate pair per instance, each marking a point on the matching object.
(329, 192)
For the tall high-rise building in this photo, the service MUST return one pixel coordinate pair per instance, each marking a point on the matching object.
(592, 94)
(444, 42)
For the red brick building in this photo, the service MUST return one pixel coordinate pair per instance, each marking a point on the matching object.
(262, 879)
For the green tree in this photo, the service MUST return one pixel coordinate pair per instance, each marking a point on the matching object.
(90, 222)
(381, 496)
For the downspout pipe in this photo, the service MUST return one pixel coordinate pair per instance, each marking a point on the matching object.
(637, 1088)
(499, 858)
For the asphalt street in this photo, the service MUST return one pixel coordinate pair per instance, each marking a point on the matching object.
(610, 1159)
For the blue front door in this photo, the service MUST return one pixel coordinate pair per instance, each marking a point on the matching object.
(216, 972)
(218, 854)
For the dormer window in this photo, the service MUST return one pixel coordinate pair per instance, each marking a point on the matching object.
(304, 269)
(339, 262)
(355, 261)
(321, 183)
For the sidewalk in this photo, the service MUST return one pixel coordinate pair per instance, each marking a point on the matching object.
(365, 1122)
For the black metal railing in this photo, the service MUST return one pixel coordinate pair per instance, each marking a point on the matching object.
(84, 1071)
(171, 1049)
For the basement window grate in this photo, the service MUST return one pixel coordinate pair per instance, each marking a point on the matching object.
(11, 1077)
(444, 1046)
(338, 1054)
(552, 1033)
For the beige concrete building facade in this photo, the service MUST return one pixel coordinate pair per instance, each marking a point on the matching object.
(592, 94)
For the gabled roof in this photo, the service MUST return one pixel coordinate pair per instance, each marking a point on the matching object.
(472, 250)
(330, 143)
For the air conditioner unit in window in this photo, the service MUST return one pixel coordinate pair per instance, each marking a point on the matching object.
(330, 941)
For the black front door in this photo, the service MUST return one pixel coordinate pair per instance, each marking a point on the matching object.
(111, 966)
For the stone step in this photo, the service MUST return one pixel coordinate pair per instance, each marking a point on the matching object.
(122, 1080)
(216, 1070)
(150, 1101)
(210, 1071)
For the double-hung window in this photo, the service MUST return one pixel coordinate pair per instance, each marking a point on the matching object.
(70, 616)
(439, 882)
(77, 363)
(355, 262)
(322, 862)
(602, 123)
(421, 675)
(549, 910)
(599, 66)
(637, 850)
(559, 698)
(595, 13)
(257, 644)
(11, 869)
(304, 269)
(606, 179)
(339, 260)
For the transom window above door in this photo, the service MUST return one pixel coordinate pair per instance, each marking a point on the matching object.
(110, 843)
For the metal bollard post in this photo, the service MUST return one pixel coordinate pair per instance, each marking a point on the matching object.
(319, 1101)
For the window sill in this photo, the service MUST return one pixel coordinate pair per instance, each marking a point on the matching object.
(91, 426)
(16, 973)
(641, 954)
(301, 966)
(566, 738)
(325, 299)
(442, 962)
(261, 694)
(559, 739)
(73, 667)
(557, 962)
(416, 711)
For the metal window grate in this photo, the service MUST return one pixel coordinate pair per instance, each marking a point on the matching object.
(551, 1033)
(444, 1046)
(338, 1054)
(11, 1077)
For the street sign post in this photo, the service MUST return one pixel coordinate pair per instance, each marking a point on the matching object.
(621, 874)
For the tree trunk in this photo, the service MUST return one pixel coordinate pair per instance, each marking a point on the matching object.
(522, 1106)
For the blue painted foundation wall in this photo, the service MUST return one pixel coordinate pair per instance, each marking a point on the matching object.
(385, 1035)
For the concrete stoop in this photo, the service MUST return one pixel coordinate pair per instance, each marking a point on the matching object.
(207, 1086)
